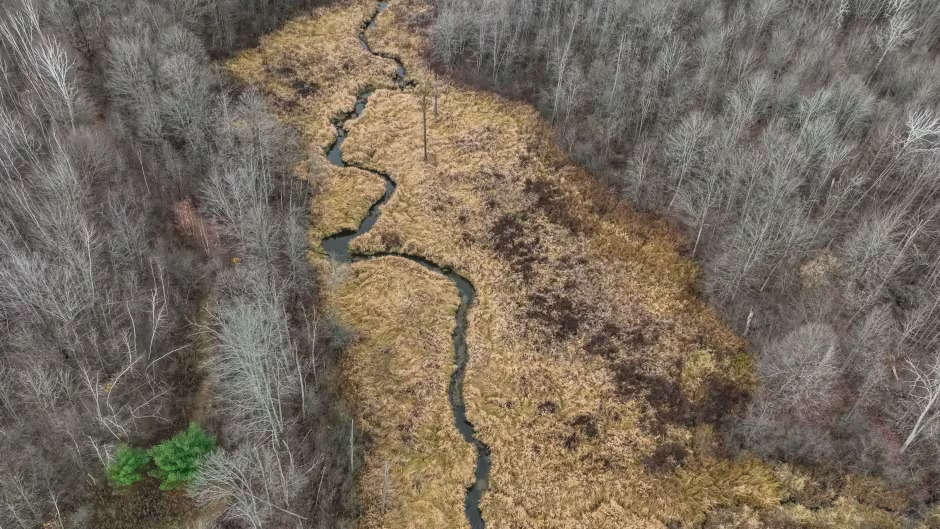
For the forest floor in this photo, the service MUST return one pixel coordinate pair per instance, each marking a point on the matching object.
(597, 376)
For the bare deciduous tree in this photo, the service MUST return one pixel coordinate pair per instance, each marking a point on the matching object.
(923, 398)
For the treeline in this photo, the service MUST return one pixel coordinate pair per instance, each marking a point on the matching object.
(153, 270)
(798, 145)
(272, 369)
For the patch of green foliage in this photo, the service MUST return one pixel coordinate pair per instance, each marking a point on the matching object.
(177, 458)
(175, 461)
(128, 466)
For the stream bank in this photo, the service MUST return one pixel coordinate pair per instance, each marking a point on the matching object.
(337, 248)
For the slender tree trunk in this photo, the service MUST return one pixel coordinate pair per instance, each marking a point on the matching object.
(917, 426)
(701, 226)
(424, 119)
(352, 430)
(562, 63)
(613, 85)
(747, 325)
(676, 193)
(385, 488)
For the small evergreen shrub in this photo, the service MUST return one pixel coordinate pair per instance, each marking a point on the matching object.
(128, 466)
(177, 458)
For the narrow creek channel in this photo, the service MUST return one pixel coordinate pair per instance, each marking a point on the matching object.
(337, 248)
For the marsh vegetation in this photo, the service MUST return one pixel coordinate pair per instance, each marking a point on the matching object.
(795, 145)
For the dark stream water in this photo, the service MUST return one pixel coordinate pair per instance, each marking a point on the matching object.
(337, 247)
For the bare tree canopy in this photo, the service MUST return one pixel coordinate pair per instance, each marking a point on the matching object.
(131, 177)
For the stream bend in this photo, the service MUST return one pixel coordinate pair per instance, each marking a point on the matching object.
(336, 247)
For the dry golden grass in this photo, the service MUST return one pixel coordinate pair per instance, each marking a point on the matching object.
(399, 33)
(594, 365)
(313, 67)
(569, 343)
(398, 369)
(843, 513)
(596, 374)
(344, 197)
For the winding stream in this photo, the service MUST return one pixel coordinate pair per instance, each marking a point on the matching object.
(337, 248)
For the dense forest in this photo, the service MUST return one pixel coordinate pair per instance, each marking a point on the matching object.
(796, 143)
(150, 213)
